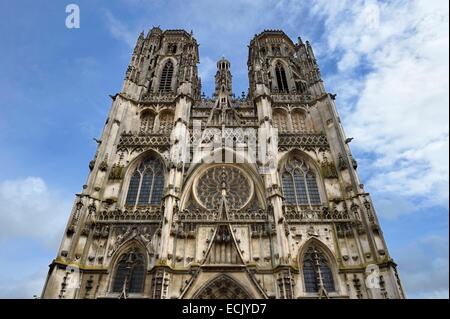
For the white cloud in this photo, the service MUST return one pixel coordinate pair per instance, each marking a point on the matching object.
(348, 61)
(119, 30)
(30, 209)
(206, 69)
(398, 112)
(424, 267)
(28, 287)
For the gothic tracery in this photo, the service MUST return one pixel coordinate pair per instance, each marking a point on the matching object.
(146, 183)
(231, 228)
(225, 181)
(222, 287)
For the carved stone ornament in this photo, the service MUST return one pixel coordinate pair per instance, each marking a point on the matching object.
(117, 172)
(228, 181)
(342, 163)
(328, 169)
(103, 166)
(91, 165)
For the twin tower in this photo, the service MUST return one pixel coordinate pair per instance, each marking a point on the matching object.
(249, 197)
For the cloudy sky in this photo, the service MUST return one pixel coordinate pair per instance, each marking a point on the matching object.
(387, 61)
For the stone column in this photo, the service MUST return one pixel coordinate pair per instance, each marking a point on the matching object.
(267, 135)
(179, 155)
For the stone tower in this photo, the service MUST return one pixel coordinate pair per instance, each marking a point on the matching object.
(249, 197)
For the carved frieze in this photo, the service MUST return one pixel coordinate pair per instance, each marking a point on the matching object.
(153, 214)
(141, 233)
(306, 141)
(130, 142)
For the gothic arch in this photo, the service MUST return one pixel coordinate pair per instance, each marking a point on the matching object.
(327, 253)
(280, 119)
(130, 246)
(325, 249)
(222, 287)
(299, 120)
(125, 246)
(276, 64)
(162, 65)
(309, 125)
(248, 167)
(312, 164)
(132, 166)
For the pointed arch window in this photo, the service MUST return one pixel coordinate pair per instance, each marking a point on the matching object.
(281, 78)
(279, 120)
(300, 184)
(165, 83)
(146, 184)
(316, 271)
(129, 276)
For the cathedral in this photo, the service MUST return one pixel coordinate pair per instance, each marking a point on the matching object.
(254, 195)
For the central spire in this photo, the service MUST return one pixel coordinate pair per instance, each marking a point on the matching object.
(223, 79)
(223, 113)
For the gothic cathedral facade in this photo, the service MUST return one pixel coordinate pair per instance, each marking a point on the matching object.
(255, 196)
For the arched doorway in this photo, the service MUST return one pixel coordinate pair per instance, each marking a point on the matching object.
(222, 287)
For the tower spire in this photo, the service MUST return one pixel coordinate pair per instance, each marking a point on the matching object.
(223, 78)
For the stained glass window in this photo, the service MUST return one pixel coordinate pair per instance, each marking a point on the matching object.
(316, 271)
(309, 275)
(223, 180)
(157, 191)
(137, 277)
(119, 279)
(133, 188)
(146, 187)
(313, 189)
(130, 273)
(165, 83)
(300, 184)
(288, 188)
(146, 184)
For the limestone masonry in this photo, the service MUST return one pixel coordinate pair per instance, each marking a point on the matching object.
(248, 196)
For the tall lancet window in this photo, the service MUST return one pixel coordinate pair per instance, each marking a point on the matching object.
(316, 271)
(146, 184)
(281, 78)
(300, 184)
(129, 275)
(165, 83)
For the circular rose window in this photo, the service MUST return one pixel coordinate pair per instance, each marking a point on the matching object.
(222, 180)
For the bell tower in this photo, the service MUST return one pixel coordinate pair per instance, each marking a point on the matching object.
(223, 79)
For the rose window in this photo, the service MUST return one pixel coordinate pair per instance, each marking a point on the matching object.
(230, 182)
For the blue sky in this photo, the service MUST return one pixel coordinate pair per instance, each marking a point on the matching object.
(386, 60)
